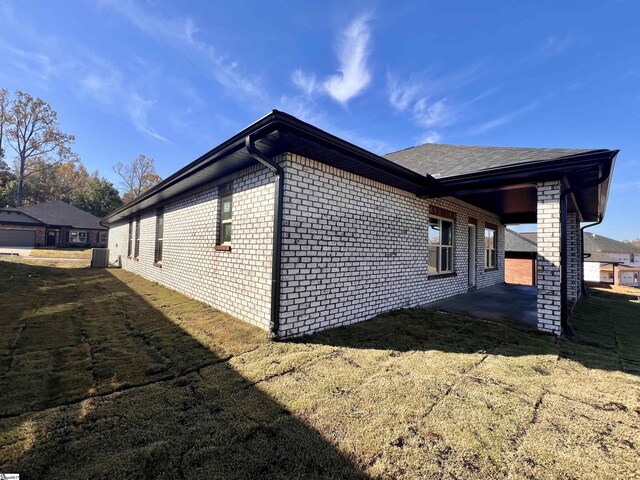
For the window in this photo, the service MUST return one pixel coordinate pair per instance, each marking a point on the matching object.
(490, 248)
(130, 244)
(103, 238)
(225, 220)
(136, 252)
(632, 258)
(159, 234)
(77, 236)
(440, 246)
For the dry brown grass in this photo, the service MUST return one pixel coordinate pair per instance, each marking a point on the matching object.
(106, 375)
(70, 252)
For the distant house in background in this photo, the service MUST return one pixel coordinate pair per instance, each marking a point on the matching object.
(519, 259)
(611, 261)
(605, 259)
(50, 224)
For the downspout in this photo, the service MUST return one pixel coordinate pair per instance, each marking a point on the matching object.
(564, 310)
(582, 286)
(277, 230)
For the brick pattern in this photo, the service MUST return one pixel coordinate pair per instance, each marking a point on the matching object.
(236, 281)
(519, 271)
(549, 281)
(353, 248)
(573, 258)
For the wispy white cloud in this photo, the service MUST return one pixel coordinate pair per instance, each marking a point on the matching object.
(555, 45)
(433, 114)
(306, 82)
(106, 84)
(502, 119)
(353, 74)
(430, 137)
(34, 63)
(353, 51)
(402, 94)
(181, 33)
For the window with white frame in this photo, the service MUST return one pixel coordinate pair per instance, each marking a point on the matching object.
(77, 236)
(490, 248)
(159, 234)
(225, 220)
(136, 246)
(103, 238)
(130, 244)
(440, 246)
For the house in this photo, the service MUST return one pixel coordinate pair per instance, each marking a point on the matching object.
(50, 224)
(602, 257)
(520, 260)
(611, 261)
(296, 230)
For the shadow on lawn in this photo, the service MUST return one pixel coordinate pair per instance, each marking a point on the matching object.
(607, 337)
(139, 397)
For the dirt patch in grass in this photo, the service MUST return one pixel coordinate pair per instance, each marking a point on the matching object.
(107, 375)
(61, 253)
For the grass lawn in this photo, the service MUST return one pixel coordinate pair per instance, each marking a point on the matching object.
(70, 252)
(107, 375)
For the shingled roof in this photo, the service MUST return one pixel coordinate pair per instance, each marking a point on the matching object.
(598, 243)
(61, 213)
(514, 242)
(442, 161)
(595, 245)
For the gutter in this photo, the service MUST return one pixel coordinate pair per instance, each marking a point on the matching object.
(602, 177)
(277, 229)
(582, 284)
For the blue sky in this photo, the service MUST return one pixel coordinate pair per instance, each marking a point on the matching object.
(174, 79)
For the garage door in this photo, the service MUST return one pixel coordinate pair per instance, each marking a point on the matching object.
(17, 238)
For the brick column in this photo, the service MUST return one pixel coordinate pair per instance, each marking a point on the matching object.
(573, 259)
(549, 278)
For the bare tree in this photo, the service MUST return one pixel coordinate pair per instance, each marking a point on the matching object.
(35, 135)
(4, 118)
(137, 177)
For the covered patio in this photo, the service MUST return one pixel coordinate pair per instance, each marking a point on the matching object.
(556, 189)
(510, 303)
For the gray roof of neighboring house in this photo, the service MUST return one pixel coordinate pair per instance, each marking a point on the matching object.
(60, 213)
(594, 242)
(595, 245)
(441, 161)
(514, 242)
(600, 257)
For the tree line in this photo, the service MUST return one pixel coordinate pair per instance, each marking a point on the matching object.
(38, 163)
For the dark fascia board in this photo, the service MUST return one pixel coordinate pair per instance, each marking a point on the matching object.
(276, 120)
(530, 173)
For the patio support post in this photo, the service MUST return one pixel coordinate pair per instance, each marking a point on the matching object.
(573, 257)
(549, 253)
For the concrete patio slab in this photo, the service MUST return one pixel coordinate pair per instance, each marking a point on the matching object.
(514, 303)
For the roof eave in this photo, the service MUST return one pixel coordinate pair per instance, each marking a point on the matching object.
(276, 121)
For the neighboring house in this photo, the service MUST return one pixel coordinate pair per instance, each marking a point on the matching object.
(295, 230)
(611, 261)
(605, 259)
(520, 262)
(50, 224)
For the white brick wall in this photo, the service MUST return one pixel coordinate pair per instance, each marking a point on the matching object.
(353, 248)
(238, 281)
(549, 309)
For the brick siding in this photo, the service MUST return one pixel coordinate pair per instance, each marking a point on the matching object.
(236, 281)
(353, 248)
(549, 309)
(519, 271)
